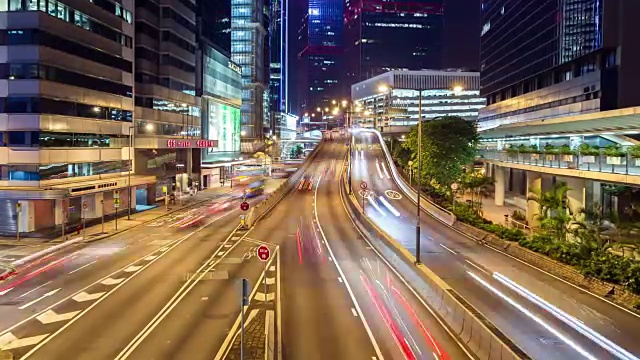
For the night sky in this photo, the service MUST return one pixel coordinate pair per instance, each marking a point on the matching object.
(462, 34)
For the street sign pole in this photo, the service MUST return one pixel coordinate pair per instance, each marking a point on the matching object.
(18, 210)
(244, 301)
(83, 222)
(264, 254)
(102, 203)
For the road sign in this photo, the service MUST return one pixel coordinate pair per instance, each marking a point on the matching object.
(263, 252)
(18, 207)
(363, 185)
(454, 186)
(84, 205)
(244, 206)
(116, 203)
(116, 194)
(410, 163)
(164, 189)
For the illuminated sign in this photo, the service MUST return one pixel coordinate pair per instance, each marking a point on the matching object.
(235, 67)
(192, 143)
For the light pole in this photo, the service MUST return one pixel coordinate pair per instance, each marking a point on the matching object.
(131, 132)
(419, 175)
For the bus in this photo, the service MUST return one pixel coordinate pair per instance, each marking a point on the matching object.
(250, 181)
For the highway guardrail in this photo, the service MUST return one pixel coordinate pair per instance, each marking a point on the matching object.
(427, 205)
(470, 326)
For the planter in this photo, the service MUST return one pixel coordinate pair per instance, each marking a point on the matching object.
(637, 161)
(588, 159)
(567, 158)
(550, 157)
(535, 156)
(614, 160)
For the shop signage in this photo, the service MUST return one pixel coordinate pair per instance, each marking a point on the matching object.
(192, 143)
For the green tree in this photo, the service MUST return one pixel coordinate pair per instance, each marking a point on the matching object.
(296, 151)
(448, 144)
(477, 184)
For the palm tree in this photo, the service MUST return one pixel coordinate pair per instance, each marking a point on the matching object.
(555, 214)
(477, 183)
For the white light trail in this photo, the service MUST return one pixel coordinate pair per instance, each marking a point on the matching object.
(533, 317)
(567, 319)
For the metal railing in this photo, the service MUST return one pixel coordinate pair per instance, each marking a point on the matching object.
(625, 164)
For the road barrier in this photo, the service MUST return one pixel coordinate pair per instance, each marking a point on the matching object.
(471, 327)
(427, 205)
(259, 210)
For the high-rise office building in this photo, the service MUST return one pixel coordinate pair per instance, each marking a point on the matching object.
(318, 53)
(542, 59)
(278, 40)
(247, 50)
(167, 108)
(391, 35)
(65, 112)
(214, 23)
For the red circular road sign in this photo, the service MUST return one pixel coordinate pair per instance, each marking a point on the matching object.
(84, 204)
(244, 206)
(263, 252)
(363, 185)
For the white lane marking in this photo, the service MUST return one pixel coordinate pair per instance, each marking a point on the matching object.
(476, 266)
(449, 250)
(111, 281)
(346, 283)
(82, 267)
(175, 300)
(260, 296)
(133, 268)
(386, 172)
(164, 249)
(404, 281)
(38, 299)
(354, 312)
(220, 253)
(51, 316)
(34, 289)
(270, 281)
(173, 244)
(9, 341)
(339, 279)
(227, 245)
(150, 257)
(84, 296)
(535, 318)
(5, 291)
(379, 171)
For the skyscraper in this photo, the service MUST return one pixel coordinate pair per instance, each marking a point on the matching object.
(391, 35)
(543, 59)
(318, 51)
(214, 23)
(247, 50)
(66, 108)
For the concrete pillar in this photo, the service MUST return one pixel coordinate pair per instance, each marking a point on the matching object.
(59, 211)
(534, 184)
(500, 182)
(576, 194)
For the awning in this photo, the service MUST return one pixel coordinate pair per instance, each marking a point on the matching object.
(614, 121)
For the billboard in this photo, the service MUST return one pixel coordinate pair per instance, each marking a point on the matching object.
(223, 127)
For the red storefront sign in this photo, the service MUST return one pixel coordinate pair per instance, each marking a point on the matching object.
(192, 143)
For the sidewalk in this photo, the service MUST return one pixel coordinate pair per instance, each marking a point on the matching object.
(12, 250)
(490, 210)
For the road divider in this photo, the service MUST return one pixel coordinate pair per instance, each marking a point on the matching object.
(469, 325)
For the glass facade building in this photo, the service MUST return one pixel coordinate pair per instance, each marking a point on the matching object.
(247, 50)
(319, 52)
(381, 36)
(543, 59)
(221, 101)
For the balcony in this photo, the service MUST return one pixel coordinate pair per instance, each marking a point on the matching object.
(619, 169)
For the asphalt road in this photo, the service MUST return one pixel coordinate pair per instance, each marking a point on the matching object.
(471, 269)
(89, 301)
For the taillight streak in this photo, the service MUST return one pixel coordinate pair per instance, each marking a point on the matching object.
(35, 273)
(388, 320)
